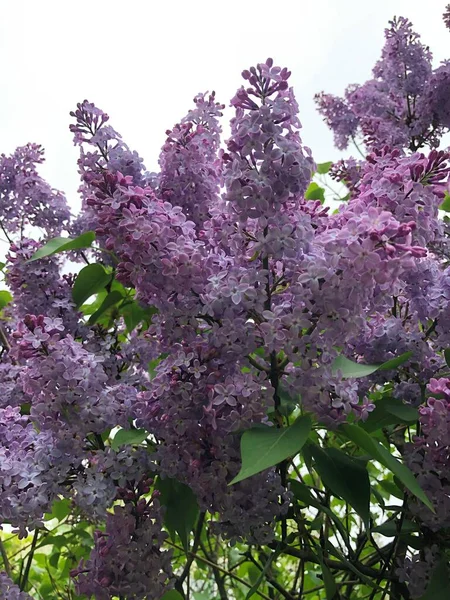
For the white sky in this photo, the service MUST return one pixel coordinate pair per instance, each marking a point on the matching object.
(143, 62)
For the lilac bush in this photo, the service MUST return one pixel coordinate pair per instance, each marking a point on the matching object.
(214, 384)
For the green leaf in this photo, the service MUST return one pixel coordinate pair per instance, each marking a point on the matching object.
(60, 244)
(439, 585)
(133, 314)
(57, 541)
(327, 576)
(329, 582)
(346, 477)
(264, 447)
(348, 368)
(60, 509)
(90, 280)
(113, 298)
(378, 452)
(181, 508)
(446, 203)
(5, 298)
(46, 589)
(54, 559)
(303, 493)
(90, 308)
(391, 488)
(390, 528)
(126, 437)
(447, 356)
(403, 412)
(172, 595)
(261, 575)
(389, 411)
(323, 168)
(396, 362)
(287, 403)
(315, 192)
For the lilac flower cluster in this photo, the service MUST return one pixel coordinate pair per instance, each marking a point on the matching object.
(428, 457)
(446, 16)
(416, 570)
(405, 105)
(109, 150)
(106, 150)
(265, 166)
(66, 385)
(127, 559)
(195, 404)
(25, 198)
(348, 172)
(10, 591)
(189, 163)
(55, 449)
(38, 288)
(30, 471)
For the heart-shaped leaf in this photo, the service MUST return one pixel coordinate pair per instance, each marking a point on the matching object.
(264, 447)
(345, 476)
(89, 281)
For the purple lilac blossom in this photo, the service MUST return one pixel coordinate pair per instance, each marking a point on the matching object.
(416, 570)
(25, 198)
(446, 16)
(428, 456)
(190, 168)
(11, 591)
(133, 538)
(403, 106)
(257, 289)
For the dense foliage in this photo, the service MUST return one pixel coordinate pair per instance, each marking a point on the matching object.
(241, 392)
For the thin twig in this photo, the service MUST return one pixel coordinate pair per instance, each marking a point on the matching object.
(26, 573)
(5, 559)
(190, 560)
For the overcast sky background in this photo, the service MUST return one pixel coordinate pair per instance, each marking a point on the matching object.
(143, 62)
